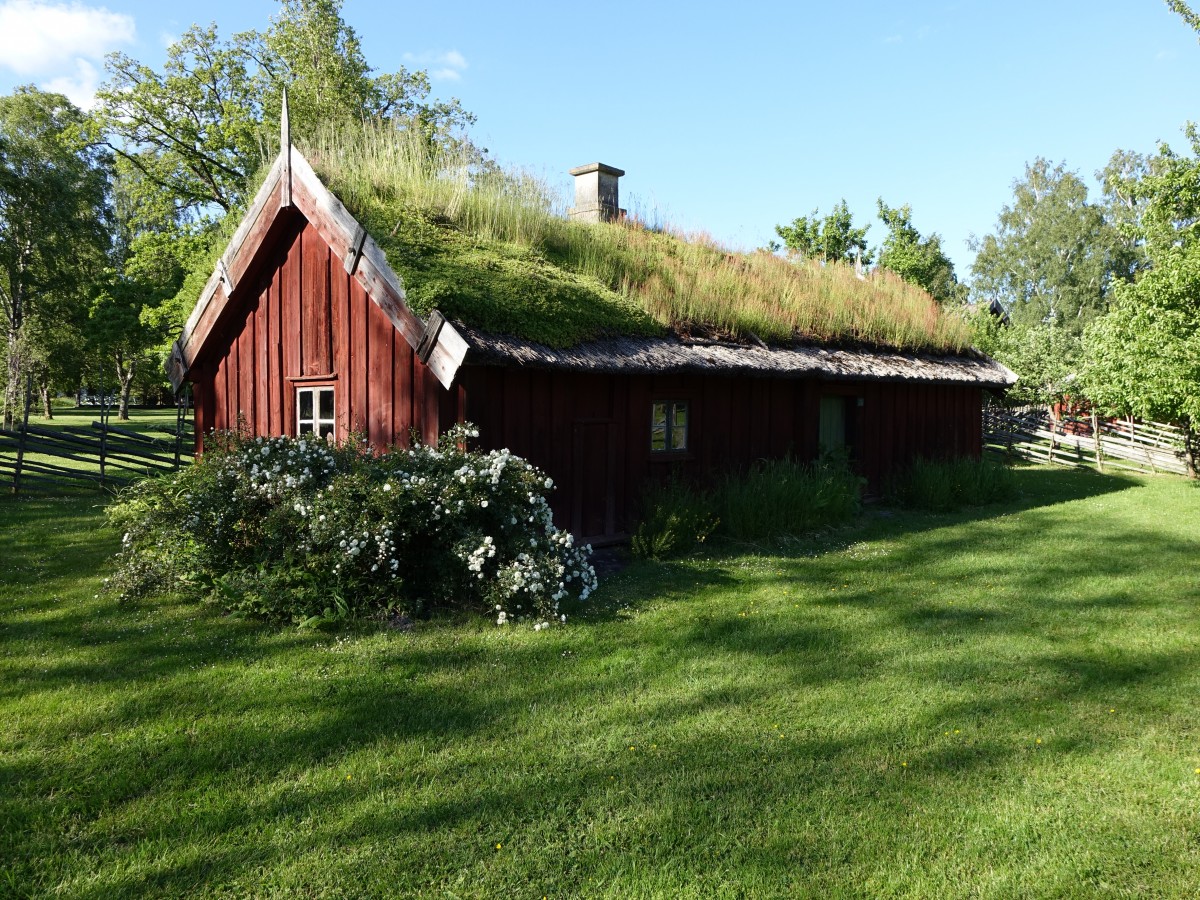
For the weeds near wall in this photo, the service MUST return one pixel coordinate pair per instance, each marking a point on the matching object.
(774, 499)
(942, 486)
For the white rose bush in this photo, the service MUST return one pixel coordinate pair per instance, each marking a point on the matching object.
(299, 530)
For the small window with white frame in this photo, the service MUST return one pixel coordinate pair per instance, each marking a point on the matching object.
(314, 412)
(669, 427)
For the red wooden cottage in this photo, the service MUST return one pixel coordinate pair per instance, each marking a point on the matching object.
(305, 328)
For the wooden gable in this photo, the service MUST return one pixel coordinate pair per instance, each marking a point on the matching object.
(304, 323)
(302, 299)
(292, 190)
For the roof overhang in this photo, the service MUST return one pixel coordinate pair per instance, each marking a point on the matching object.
(291, 184)
(672, 355)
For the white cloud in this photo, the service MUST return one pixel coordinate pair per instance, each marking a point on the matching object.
(894, 39)
(79, 88)
(443, 66)
(38, 37)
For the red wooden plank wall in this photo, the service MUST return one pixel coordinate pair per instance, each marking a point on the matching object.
(305, 320)
(734, 421)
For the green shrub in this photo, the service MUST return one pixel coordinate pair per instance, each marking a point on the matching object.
(786, 497)
(298, 530)
(775, 498)
(941, 486)
(675, 518)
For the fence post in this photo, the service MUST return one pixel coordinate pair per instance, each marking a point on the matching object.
(103, 432)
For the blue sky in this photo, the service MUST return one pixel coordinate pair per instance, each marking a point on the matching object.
(730, 118)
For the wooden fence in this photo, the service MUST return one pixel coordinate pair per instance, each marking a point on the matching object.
(103, 455)
(1031, 433)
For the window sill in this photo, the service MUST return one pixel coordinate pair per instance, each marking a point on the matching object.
(671, 455)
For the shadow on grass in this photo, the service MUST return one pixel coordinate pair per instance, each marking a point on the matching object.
(220, 751)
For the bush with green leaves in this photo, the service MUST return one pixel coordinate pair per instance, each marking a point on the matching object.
(945, 485)
(675, 518)
(295, 529)
(784, 497)
(773, 499)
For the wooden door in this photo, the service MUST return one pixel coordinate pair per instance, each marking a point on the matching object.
(593, 480)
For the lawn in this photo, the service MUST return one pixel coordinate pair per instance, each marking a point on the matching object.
(158, 423)
(990, 704)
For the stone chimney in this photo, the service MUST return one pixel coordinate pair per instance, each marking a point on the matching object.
(596, 193)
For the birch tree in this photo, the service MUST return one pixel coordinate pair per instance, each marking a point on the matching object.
(53, 222)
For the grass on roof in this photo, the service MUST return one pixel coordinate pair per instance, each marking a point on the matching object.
(492, 249)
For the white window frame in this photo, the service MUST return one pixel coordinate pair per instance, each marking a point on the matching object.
(317, 423)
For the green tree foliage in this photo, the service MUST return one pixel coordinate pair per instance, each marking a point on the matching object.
(1042, 354)
(918, 260)
(1143, 358)
(1124, 204)
(1051, 258)
(829, 239)
(54, 237)
(198, 130)
(318, 56)
(1185, 12)
(1169, 198)
(119, 335)
(191, 132)
(190, 138)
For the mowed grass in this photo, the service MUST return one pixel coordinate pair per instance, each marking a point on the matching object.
(995, 704)
(155, 421)
(158, 423)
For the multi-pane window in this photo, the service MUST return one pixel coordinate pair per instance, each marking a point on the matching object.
(314, 411)
(668, 427)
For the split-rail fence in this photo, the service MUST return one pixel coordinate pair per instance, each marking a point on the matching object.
(1087, 440)
(104, 455)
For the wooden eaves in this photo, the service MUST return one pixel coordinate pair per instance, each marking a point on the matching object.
(291, 183)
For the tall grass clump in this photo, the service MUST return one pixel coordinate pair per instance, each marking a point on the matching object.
(773, 499)
(492, 247)
(945, 485)
(784, 497)
(675, 518)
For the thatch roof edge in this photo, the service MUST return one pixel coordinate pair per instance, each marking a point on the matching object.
(671, 355)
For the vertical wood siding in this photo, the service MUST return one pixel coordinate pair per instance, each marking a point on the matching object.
(591, 433)
(301, 319)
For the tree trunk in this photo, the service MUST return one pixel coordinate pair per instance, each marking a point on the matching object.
(15, 321)
(125, 377)
(12, 389)
(44, 393)
(1191, 446)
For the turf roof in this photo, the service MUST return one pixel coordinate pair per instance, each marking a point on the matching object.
(489, 250)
